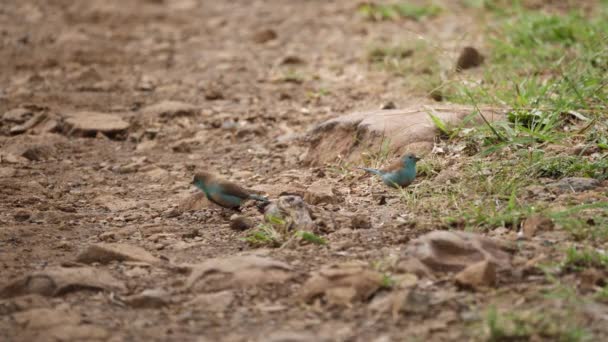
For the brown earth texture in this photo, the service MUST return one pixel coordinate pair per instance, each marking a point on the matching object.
(108, 109)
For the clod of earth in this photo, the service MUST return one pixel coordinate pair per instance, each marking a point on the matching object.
(469, 58)
(342, 284)
(60, 280)
(534, 224)
(292, 210)
(478, 275)
(405, 130)
(108, 252)
(453, 251)
(320, 192)
(237, 272)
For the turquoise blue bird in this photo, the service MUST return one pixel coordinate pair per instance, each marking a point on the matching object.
(224, 193)
(400, 174)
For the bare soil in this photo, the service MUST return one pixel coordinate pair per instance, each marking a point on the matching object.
(258, 75)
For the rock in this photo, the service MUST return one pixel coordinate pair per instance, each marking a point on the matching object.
(214, 302)
(240, 223)
(292, 210)
(360, 221)
(574, 184)
(35, 147)
(405, 130)
(60, 280)
(7, 172)
(27, 302)
(407, 301)
(88, 124)
(148, 299)
(481, 274)
(264, 35)
(196, 201)
(453, 251)
(536, 223)
(388, 105)
(319, 192)
(469, 58)
(45, 318)
(342, 284)
(108, 252)
(237, 272)
(17, 115)
(414, 266)
(170, 109)
(38, 152)
(32, 122)
(291, 60)
(22, 215)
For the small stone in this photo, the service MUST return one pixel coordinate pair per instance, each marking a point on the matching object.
(319, 192)
(38, 152)
(170, 109)
(342, 284)
(22, 215)
(388, 105)
(360, 221)
(60, 280)
(240, 223)
(237, 272)
(575, 184)
(264, 36)
(107, 252)
(478, 275)
(453, 251)
(536, 223)
(149, 299)
(469, 58)
(214, 302)
(17, 115)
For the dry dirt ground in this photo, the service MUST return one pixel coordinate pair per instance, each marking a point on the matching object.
(247, 79)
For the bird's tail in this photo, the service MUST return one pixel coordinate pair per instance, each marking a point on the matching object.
(258, 198)
(374, 171)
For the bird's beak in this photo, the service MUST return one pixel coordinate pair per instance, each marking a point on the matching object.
(417, 158)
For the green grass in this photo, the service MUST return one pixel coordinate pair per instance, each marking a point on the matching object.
(400, 10)
(524, 325)
(577, 259)
(416, 61)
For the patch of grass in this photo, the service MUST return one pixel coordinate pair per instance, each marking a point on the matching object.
(264, 235)
(311, 237)
(577, 259)
(400, 10)
(376, 159)
(416, 61)
(569, 166)
(387, 281)
(523, 325)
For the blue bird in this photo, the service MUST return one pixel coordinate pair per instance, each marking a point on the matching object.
(224, 193)
(400, 174)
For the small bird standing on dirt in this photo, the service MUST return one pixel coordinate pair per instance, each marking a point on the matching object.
(400, 174)
(224, 193)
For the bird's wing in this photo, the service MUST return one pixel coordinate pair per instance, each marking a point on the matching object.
(396, 166)
(233, 190)
(225, 200)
